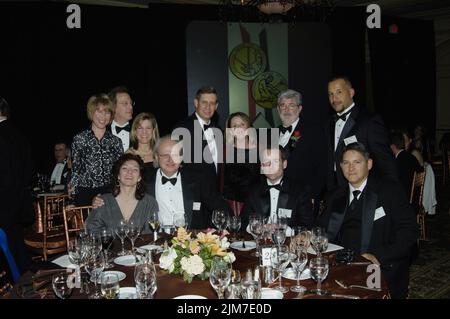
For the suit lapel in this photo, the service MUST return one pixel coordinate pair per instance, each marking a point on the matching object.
(368, 214)
(338, 212)
(264, 200)
(188, 200)
(283, 197)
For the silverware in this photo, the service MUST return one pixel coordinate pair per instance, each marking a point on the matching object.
(345, 296)
(340, 283)
(243, 243)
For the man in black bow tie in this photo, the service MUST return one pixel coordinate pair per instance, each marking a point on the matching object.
(276, 195)
(123, 112)
(350, 124)
(304, 144)
(61, 171)
(202, 138)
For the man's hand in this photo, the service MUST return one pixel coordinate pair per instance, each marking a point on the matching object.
(97, 201)
(372, 258)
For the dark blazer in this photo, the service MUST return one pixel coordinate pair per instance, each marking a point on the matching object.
(307, 157)
(389, 238)
(369, 130)
(407, 164)
(196, 188)
(65, 174)
(206, 165)
(292, 196)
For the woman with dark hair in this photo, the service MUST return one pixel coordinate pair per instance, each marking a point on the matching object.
(128, 200)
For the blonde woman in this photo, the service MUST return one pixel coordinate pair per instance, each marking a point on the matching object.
(143, 136)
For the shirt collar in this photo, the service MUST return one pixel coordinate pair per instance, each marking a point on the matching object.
(162, 174)
(114, 123)
(360, 188)
(276, 182)
(396, 155)
(347, 109)
(294, 125)
(201, 121)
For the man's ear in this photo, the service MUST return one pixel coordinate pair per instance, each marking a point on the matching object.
(285, 164)
(369, 163)
(196, 103)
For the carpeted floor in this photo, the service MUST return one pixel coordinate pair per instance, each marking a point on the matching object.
(430, 273)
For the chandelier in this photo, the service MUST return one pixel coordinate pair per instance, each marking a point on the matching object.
(275, 10)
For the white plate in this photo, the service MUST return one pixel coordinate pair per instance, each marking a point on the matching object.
(331, 247)
(249, 245)
(64, 262)
(127, 293)
(152, 247)
(289, 231)
(190, 297)
(127, 260)
(269, 293)
(289, 273)
(119, 274)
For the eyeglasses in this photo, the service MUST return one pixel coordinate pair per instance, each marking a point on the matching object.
(290, 106)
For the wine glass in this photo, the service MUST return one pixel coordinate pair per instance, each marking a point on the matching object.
(279, 236)
(62, 285)
(122, 232)
(133, 233)
(107, 237)
(234, 224)
(319, 240)
(299, 263)
(256, 228)
(219, 219)
(220, 275)
(319, 271)
(280, 257)
(145, 280)
(94, 267)
(110, 286)
(154, 225)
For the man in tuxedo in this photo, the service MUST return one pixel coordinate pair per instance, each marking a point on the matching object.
(123, 112)
(275, 195)
(305, 145)
(182, 194)
(372, 217)
(202, 138)
(16, 170)
(406, 163)
(61, 171)
(352, 124)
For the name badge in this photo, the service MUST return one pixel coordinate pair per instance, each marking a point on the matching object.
(350, 140)
(196, 206)
(379, 212)
(283, 212)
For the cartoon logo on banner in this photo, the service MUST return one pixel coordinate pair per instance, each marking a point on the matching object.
(247, 60)
(266, 88)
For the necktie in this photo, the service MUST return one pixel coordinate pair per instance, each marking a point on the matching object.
(285, 129)
(206, 126)
(342, 116)
(126, 128)
(354, 200)
(173, 180)
(276, 186)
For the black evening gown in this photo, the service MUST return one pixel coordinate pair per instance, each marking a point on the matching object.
(148, 171)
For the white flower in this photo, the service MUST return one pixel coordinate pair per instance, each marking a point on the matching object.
(229, 257)
(166, 261)
(224, 243)
(193, 265)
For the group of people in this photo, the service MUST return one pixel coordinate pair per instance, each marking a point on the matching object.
(138, 173)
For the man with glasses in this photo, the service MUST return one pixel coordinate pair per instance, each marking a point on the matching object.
(304, 144)
(61, 170)
(123, 112)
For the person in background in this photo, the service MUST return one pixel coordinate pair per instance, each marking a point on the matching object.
(63, 166)
(122, 105)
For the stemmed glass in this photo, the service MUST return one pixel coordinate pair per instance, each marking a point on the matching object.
(280, 257)
(319, 240)
(122, 232)
(133, 233)
(251, 285)
(77, 254)
(319, 271)
(154, 225)
(94, 267)
(145, 280)
(234, 224)
(107, 238)
(279, 236)
(256, 228)
(61, 285)
(219, 219)
(220, 275)
(299, 263)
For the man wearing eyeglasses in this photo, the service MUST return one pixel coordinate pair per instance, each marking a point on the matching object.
(123, 112)
(304, 144)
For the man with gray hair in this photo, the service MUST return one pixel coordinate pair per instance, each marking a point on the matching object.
(304, 144)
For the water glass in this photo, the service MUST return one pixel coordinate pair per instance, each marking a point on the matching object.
(110, 286)
(319, 240)
(280, 258)
(234, 224)
(62, 285)
(251, 285)
(220, 275)
(219, 219)
(145, 280)
(319, 271)
(299, 264)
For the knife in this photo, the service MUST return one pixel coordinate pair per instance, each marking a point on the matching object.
(344, 296)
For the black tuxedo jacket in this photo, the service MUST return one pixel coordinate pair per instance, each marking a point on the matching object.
(292, 196)
(390, 237)
(370, 131)
(65, 174)
(407, 164)
(307, 158)
(196, 189)
(205, 163)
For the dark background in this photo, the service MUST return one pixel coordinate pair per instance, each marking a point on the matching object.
(48, 72)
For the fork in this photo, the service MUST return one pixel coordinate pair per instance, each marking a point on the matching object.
(340, 283)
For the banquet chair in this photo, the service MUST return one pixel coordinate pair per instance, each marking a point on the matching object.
(415, 199)
(74, 218)
(52, 240)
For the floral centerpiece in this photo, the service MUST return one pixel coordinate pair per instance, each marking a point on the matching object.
(192, 257)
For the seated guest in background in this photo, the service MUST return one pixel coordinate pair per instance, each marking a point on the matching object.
(94, 152)
(241, 168)
(373, 218)
(407, 164)
(144, 134)
(277, 195)
(122, 105)
(411, 147)
(128, 200)
(61, 171)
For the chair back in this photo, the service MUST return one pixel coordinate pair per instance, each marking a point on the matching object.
(74, 218)
(417, 189)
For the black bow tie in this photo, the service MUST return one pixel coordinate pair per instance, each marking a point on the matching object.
(126, 128)
(285, 129)
(342, 116)
(207, 126)
(276, 186)
(173, 180)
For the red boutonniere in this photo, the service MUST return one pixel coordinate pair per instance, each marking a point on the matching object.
(295, 137)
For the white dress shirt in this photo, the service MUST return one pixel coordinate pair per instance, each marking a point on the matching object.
(284, 138)
(274, 194)
(57, 172)
(209, 135)
(339, 126)
(360, 188)
(169, 198)
(123, 135)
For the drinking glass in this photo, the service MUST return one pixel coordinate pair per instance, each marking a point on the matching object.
(251, 285)
(299, 263)
(233, 291)
(110, 286)
(280, 257)
(62, 287)
(219, 219)
(319, 240)
(256, 227)
(154, 225)
(279, 236)
(234, 224)
(133, 233)
(319, 271)
(220, 275)
(145, 280)
(107, 237)
(94, 267)
(122, 232)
